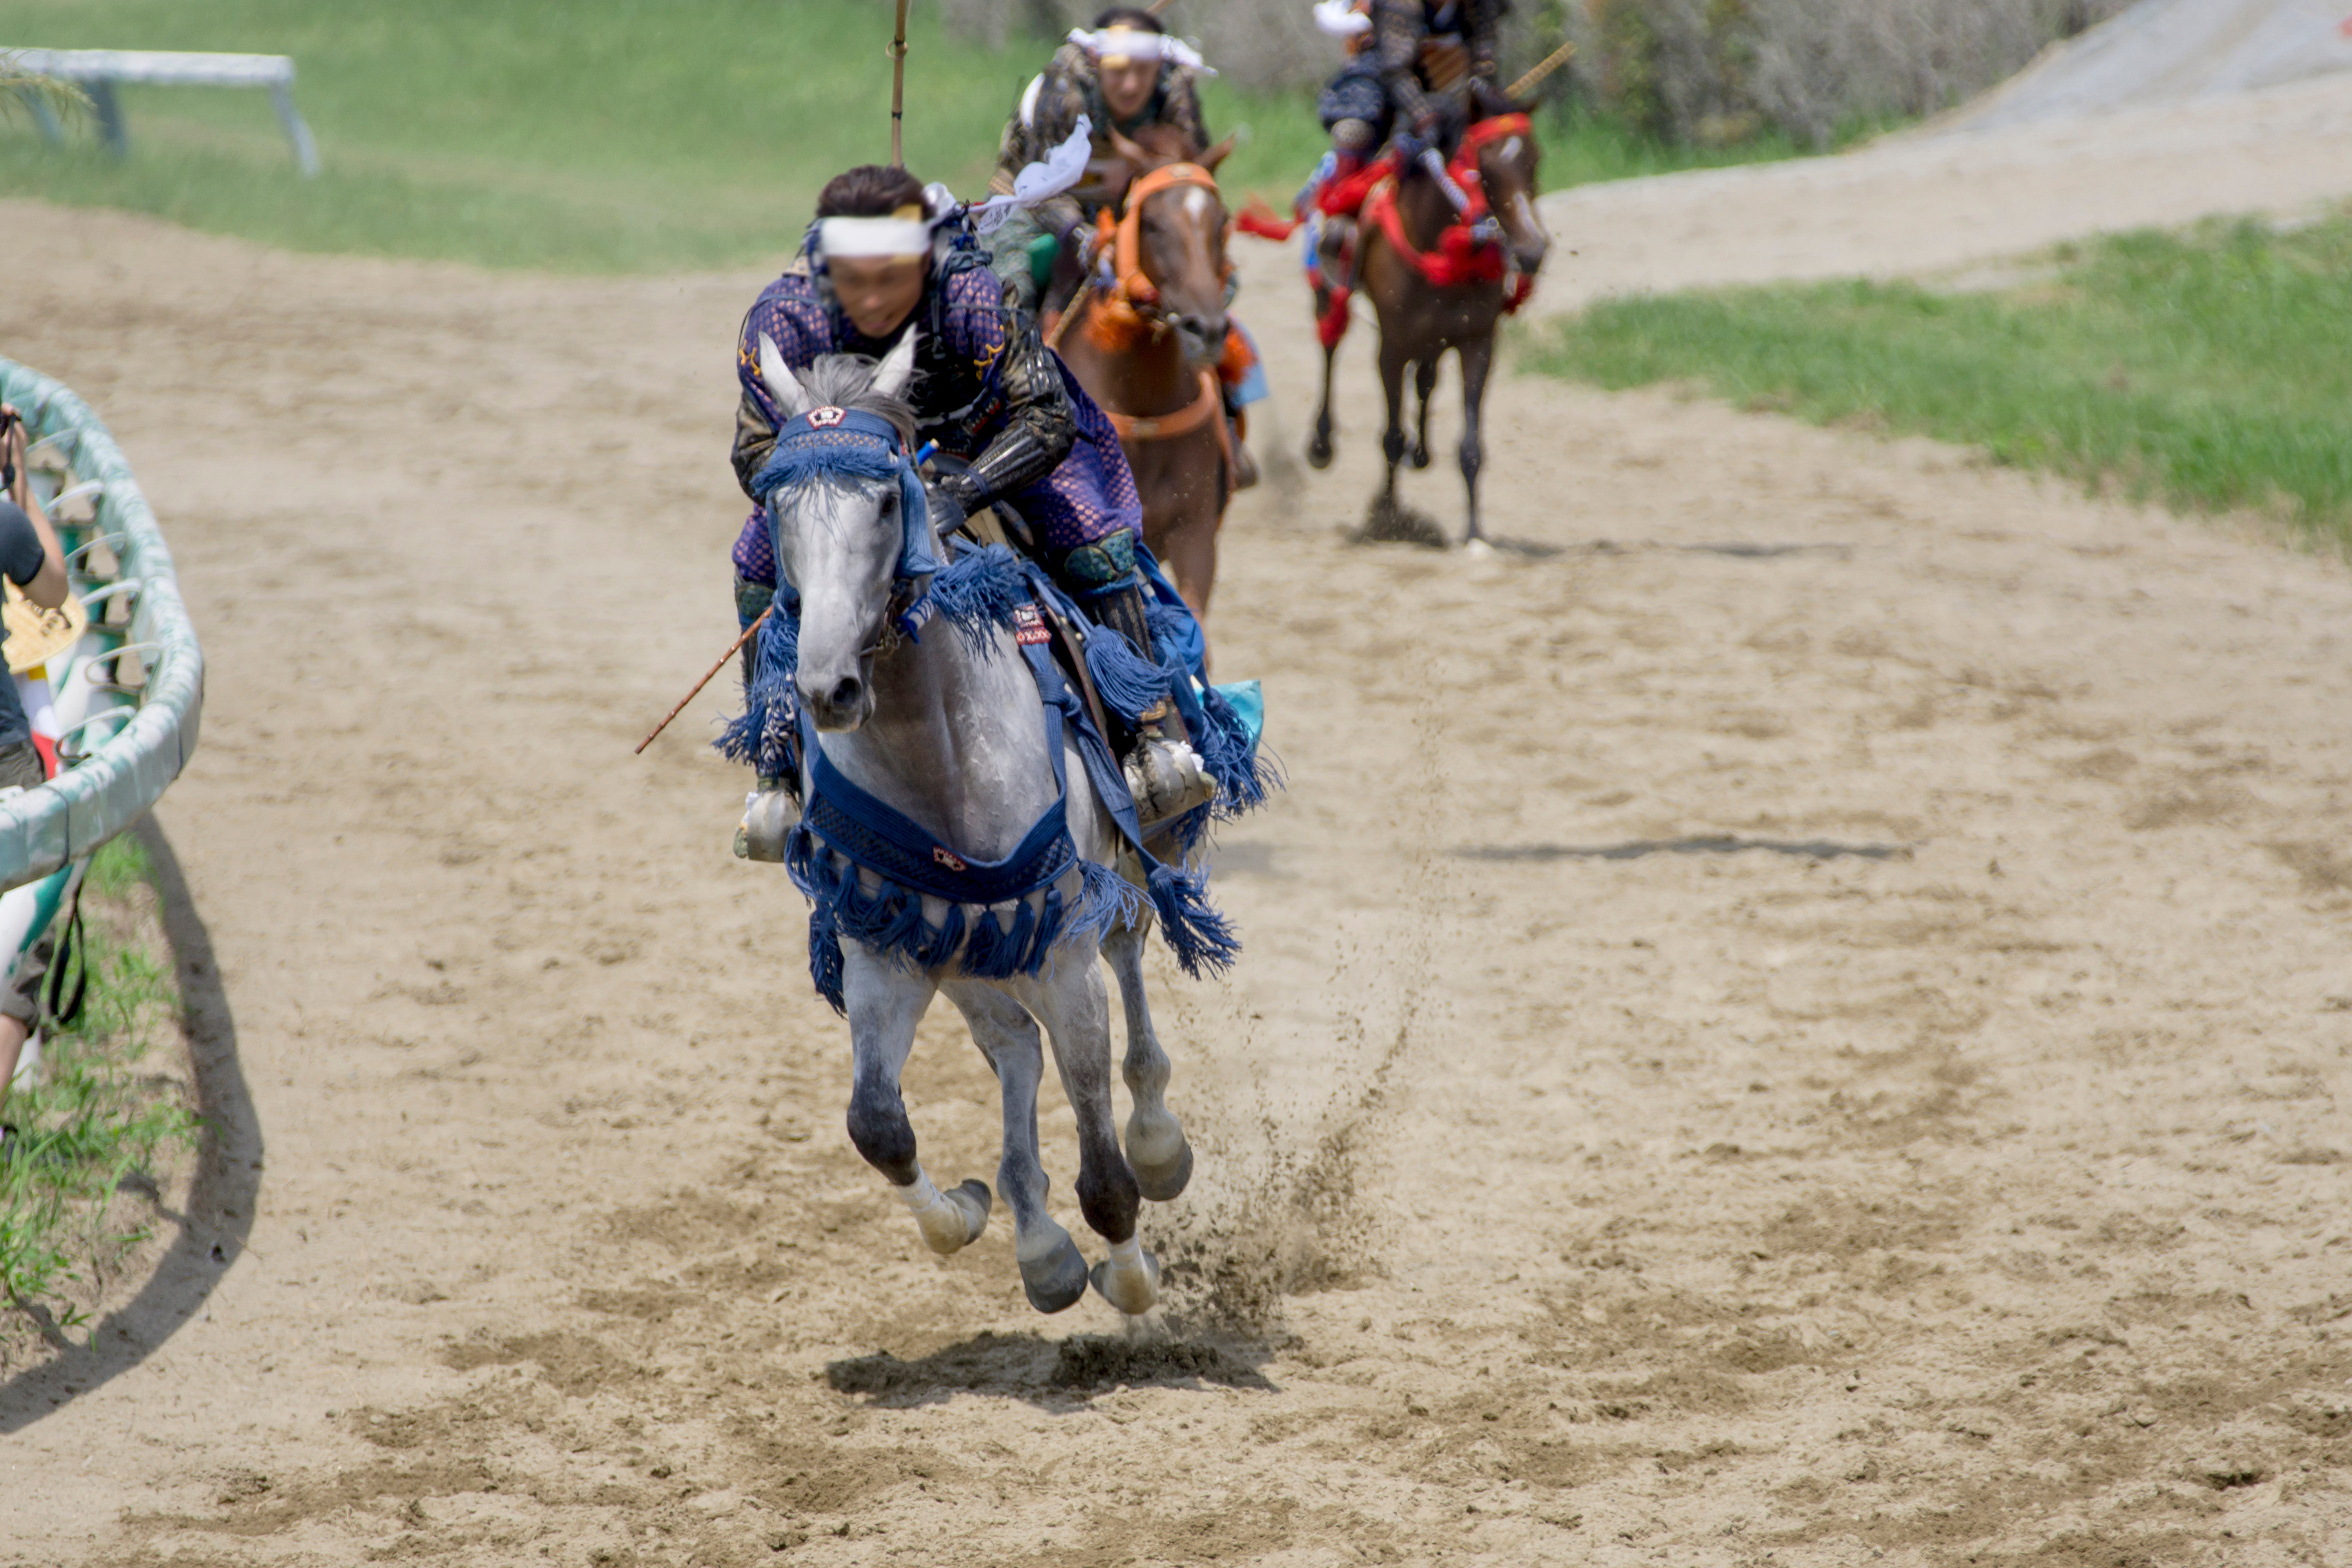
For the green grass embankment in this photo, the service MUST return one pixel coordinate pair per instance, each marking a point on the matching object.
(594, 135)
(2211, 369)
(76, 1187)
(598, 135)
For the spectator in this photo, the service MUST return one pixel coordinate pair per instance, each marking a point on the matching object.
(30, 557)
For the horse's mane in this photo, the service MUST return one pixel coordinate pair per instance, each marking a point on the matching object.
(847, 381)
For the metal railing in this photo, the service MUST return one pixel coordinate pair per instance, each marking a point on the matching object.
(126, 741)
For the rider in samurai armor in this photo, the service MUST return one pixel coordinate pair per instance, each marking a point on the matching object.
(1412, 64)
(1125, 74)
(1010, 426)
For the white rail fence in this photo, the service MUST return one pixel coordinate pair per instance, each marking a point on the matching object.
(130, 693)
(99, 72)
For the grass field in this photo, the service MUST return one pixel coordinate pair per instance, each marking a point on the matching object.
(71, 1193)
(604, 135)
(2211, 368)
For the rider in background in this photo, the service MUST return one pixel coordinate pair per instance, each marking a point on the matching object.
(884, 256)
(1411, 65)
(31, 558)
(1129, 75)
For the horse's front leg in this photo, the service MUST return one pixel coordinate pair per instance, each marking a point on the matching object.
(1156, 1147)
(1076, 1015)
(1320, 450)
(1477, 359)
(1393, 364)
(1424, 383)
(1053, 1270)
(885, 1003)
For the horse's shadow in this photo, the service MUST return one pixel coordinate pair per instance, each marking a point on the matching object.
(1051, 1373)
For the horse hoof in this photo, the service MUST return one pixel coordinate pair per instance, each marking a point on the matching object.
(1319, 453)
(973, 1198)
(1161, 1158)
(1132, 1288)
(1164, 1182)
(1054, 1282)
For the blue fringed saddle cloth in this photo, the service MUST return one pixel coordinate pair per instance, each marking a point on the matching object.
(867, 869)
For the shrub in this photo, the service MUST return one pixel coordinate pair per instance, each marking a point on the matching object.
(1705, 72)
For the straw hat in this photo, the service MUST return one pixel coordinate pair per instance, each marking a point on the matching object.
(37, 635)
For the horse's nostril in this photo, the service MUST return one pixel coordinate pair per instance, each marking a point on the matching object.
(845, 692)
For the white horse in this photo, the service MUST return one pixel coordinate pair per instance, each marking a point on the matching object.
(949, 732)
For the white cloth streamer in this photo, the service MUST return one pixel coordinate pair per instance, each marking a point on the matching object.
(1064, 167)
(1137, 44)
(1341, 19)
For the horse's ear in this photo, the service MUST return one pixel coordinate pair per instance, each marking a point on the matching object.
(1217, 154)
(793, 399)
(896, 372)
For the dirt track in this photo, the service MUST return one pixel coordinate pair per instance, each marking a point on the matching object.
(1968, 1185)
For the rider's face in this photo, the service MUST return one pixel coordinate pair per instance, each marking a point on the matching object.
(880, 293)
(1127, 85)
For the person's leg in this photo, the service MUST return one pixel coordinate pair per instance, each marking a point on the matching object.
(20, 768)
(20, 1010)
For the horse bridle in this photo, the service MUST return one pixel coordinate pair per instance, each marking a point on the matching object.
(1130, 286)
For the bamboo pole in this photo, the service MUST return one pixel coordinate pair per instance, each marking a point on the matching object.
(707, 679)
(898, 95)
(1534, 78)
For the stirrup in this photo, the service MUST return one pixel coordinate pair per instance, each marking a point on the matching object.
(770, 815)
(1167, 779)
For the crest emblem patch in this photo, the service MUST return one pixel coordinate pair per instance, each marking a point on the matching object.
(1029, 626)
(949, 859)
(826, 419)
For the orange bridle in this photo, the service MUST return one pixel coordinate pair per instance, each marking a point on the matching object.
(1130, 286)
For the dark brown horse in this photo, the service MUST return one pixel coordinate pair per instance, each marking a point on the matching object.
(1147, 349)
(1440, 281)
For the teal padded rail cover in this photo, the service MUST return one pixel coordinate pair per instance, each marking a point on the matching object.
(45, 829)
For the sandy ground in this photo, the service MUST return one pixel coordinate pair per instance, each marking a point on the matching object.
(1954, 1173)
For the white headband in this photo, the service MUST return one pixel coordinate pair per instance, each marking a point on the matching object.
(861, 237)
(1136, 44)
(1340, 18)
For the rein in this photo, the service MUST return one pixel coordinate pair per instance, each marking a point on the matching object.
(1463, 257)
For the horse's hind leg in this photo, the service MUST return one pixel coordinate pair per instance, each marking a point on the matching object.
(1477, 359)
(885, 1003)
(1424, 381)
(1076, 1014)
(1053, 1270)
(1156, 1148)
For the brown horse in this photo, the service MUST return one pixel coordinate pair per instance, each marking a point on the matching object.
(1441, 279)
(1147, 347)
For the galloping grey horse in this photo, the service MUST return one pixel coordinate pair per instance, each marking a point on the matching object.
(947, 732)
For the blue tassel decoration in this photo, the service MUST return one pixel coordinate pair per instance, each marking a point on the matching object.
(1201, 938)
(824, 958)
(1129, 684)
(978, 593)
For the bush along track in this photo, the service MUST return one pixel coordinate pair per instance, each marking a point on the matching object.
(105, 1115)
(2211, 368)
